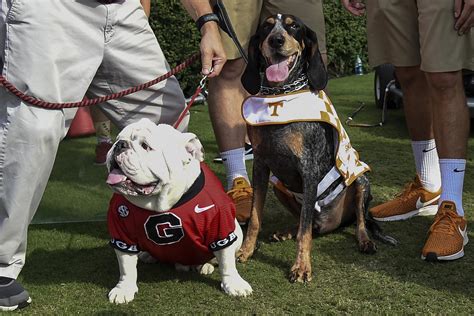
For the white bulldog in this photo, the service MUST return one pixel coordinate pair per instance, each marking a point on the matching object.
(168, 207)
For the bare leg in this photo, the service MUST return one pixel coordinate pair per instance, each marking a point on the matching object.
(417, 106)
(451, 115)
(225, 98)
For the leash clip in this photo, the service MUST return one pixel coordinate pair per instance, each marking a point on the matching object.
(202, 83)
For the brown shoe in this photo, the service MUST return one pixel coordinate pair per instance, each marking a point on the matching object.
(242, 194)
(447, 235)
(413, 201)
(101, 150)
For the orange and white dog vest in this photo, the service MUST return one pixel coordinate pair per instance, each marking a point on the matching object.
(306, 106)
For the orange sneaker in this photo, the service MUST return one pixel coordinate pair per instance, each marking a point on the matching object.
(242, 194)
(447, 235)
(101, 150)
(414, 200)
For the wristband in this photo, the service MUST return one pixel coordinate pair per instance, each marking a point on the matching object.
(206, 18)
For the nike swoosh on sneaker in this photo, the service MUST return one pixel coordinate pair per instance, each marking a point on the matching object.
(420, 204)
(462, 232)
(198, 209)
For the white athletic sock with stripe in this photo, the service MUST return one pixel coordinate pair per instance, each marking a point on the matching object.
(234, 164)
(452, 177)
(427, 164)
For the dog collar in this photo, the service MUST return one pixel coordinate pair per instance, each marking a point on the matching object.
(296, 85)
(194, 190)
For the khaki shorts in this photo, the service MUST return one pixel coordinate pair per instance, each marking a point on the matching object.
(410, 33)
(246, 15)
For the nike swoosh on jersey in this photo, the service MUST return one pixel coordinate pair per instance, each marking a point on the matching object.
(420, 204)
(198, 209)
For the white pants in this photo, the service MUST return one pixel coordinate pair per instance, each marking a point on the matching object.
(60, 51)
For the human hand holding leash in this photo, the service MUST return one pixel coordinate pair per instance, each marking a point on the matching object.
(464, 15)
(212, 52)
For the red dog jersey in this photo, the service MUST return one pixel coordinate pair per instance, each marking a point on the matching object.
(201, 222)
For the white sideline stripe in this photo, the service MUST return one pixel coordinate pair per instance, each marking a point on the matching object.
(69, 222)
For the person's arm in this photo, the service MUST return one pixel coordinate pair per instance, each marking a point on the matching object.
(212, 52)
(146, 6)
(355, 7)
(464, 15)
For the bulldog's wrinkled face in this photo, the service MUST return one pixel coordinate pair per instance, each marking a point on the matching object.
(146, 157)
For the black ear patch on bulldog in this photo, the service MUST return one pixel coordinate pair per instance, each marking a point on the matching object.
(317, 74)
(251, 78)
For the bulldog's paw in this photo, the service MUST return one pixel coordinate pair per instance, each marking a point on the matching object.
(206, 269)
(203, 269)
(122, 294)
(236, 286)
(145, 257)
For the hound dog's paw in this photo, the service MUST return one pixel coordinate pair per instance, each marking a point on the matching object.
(236, 286)
(245, 252)
(282, 236)
(121, 293)
(145, 257)
(367, 246)
(301, 273)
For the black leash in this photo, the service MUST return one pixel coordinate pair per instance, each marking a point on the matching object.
(226, 26)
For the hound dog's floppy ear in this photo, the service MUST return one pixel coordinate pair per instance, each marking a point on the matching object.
(251, 78)
(317, 74)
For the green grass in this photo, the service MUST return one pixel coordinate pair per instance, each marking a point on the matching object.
(70, 268)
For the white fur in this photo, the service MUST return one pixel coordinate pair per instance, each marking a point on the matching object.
(232, 283)
(174, 160)
(126, 288)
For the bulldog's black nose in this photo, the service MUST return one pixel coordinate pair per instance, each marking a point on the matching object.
(121, 145)
(276, 41)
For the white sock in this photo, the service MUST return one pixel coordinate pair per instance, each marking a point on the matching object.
(234, 164)
(452, 177)
(427, 164)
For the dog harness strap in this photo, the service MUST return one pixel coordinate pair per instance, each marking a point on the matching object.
(331, 196)
(328, 179)
(332, 176)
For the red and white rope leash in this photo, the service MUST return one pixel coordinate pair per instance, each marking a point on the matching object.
(88, 102)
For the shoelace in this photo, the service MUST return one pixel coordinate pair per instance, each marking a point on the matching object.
(440, 225)
(407, 191)
(242, 192)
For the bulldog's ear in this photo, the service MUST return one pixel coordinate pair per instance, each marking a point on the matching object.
(194, 146)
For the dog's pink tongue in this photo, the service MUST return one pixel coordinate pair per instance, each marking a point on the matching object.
(277, 72)
(115, 176)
